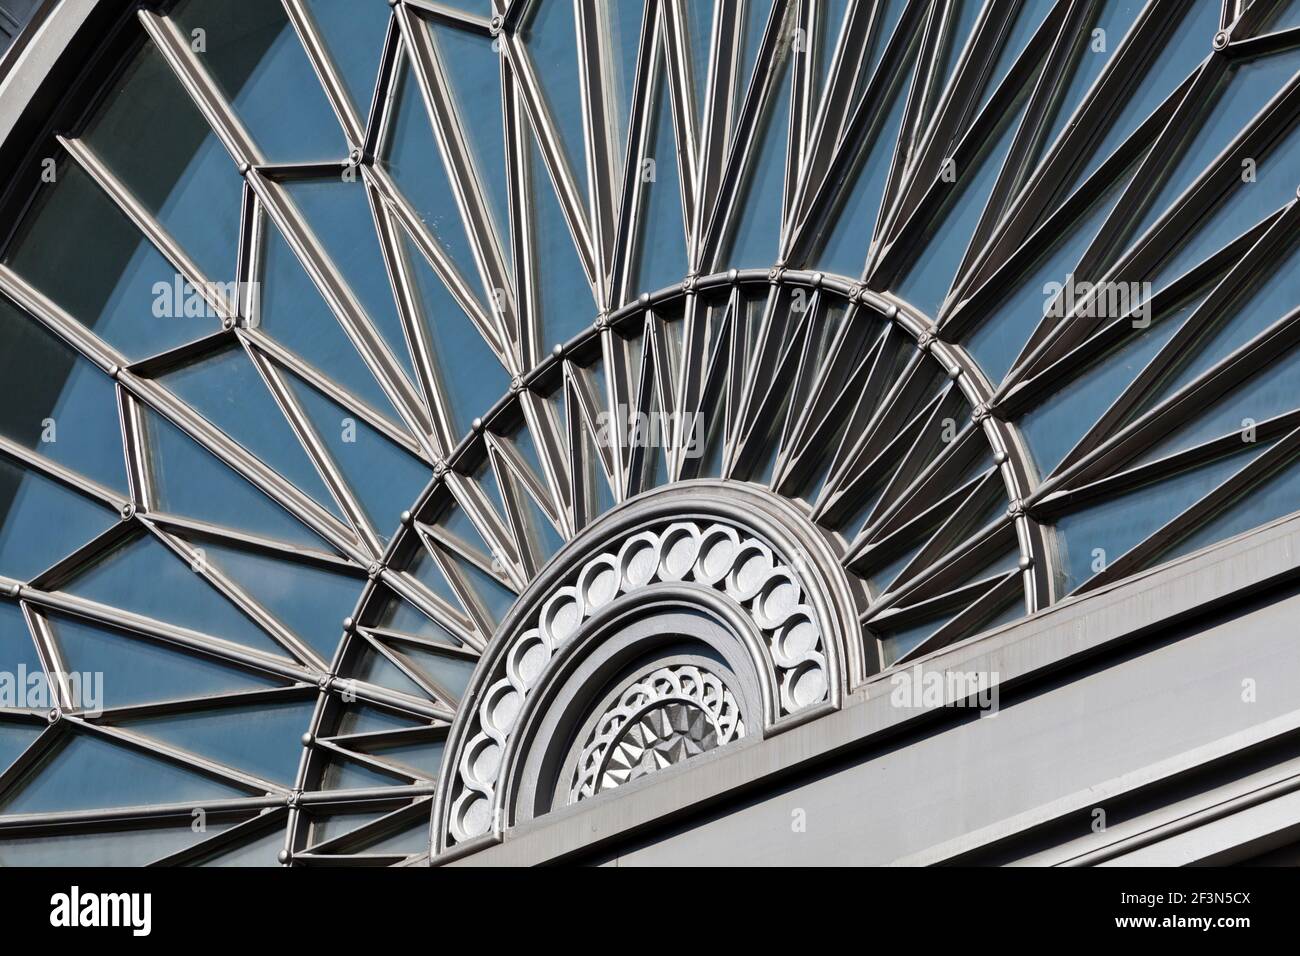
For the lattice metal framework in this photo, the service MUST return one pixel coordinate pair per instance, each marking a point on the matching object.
(328, 323)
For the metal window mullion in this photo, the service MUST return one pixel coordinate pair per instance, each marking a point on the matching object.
(473, 501)
(950, 571)
(239, 597)
(50, 655)
(61, 474)
(201, 87)
(745, 147)
(372, 831)
(439, 102)
(63, 821)
(552, 455)
(768, 348)
(510, 460)
(715, 132)
(326, 72)
(255, 338)
(168, 633)
(641, 130)
(1251, 474)
(314, 446)
(370, 761)
(1113, 485)
(676, 48)
(208, 702)
(134, 443)
(599, 124)
(936, 607)
(36, 304)
(249, 466)
(974, 615)
(552, 151)
(268, 817)
(1054, 373)
(414, 674)
(453, 620)
(1263, 254)
(443, 267)
(1176, 409)
(342, 302)
(376, 694)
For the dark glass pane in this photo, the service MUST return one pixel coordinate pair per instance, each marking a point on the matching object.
(43, 521)
(57, 403)
(255, 56)
(178, 168)
(111, 279)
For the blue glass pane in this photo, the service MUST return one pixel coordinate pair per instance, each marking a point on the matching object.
(140, 671)
(307, 599)
(85, 772)
(178, 169)
(16, 647)
(111, 279)
(261, 739)
(413, 838)
(43, 521)
(228, 391)
(474, 70)
(471, 376)
(294, 314)
(81, 848)
(411, 156)
(699, 33)
(661, 237)
(1242, 93)
(374, 668)
(354, 33)
(424, 758)
(851, 227)
(144, 576)
(191, 482)
(15, 737)
(365, 719)
(1105, 32)
(1188, 45)
(758, 233)
(1029, 18)
(384, 477)
(57, 403)
(830, 24)
(1285, 17)
(339, 214)
(1056, 424)
(999, 340)
(551, 39)
(756, 15)
(564, 294)
(927, 283)
(1092, 538)
(255, 57)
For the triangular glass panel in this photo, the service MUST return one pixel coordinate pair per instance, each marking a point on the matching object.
(550, 36)
(383, 476)
(258, 62)
(144, 577)
(354, 35)
(84, 772)
(43, 521)
(138, 670)
(660, 256)
(228, 391)
(262, 739)
(57, 403)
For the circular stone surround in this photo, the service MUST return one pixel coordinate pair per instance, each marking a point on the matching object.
(741, 550)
